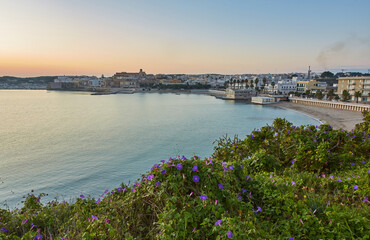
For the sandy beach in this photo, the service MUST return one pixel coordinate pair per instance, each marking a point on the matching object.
(335, 117)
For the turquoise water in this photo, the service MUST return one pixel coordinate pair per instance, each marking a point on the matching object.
(71, 143)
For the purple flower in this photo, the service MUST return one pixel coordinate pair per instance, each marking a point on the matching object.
(158, 183)
(231, 167)
(368, 171)
(24, 221)
(184, 158)
(220, 186)
(107, 220)
(363, 162)
(218, 223)
(258, 210)
(203, 197)
(196, 178)
(164, 171)
(195, 168)
(38, 237)
(290, 238)
(3, 230)
(366, 199)
(229, 234)
(82, 196)
(353, 164)
(355, 187)
(106, 191)
(331, 177)
(150, 177)
(240, 197)
(293, 183)
(339, 180)
(179, 166)
(314, 140)
(93, 218)
(252, 136)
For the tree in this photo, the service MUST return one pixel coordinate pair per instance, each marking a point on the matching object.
(319, 95)
(357, 95)
(252, 86)
(331, 94)
(238, 81)
(308, 93)
(345, 95)
(264, 80)
(336, 97)
(246, 85)
(273, 86)
(256, 81)
(327, 74)
(234, 81)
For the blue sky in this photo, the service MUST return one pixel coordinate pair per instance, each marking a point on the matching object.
(162, 36)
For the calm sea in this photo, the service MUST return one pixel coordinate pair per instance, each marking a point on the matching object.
(71, 143)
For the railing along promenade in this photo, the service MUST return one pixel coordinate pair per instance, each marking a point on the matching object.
(329, 104)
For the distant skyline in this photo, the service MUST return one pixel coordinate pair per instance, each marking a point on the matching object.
(91, 37)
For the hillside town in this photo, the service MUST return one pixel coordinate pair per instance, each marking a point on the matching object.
(348, 86)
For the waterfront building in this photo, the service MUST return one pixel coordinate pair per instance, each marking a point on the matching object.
(311, 85)
(263, 100)
(286, 86)
(128, 80)
(240, 94)
(355, 84)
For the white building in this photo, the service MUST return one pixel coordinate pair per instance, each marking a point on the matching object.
(286, 86)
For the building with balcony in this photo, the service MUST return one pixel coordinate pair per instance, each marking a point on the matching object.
(311, 85)
(355, 84)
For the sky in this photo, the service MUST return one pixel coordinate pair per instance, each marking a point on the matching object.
(94, 37)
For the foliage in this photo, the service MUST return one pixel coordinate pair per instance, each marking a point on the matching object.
(327, 74)
(319, 95)
(280, 182)
(345, 95)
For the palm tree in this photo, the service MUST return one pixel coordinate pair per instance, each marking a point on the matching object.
(256, 81)
(234, 81)
(246, 85)
(264, 80)
(357, 95)
(345, 95)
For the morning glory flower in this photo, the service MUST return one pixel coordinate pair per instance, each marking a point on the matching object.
(258, 210)
(38, 237)
(293, 183)
(196, 178)
(93, 218)
(252, 136)
(203, 197)
(368, 171)
(179, 166)
(3, 230)
(220, 186)
(195, 168)
(353, 164)
(164, 171)
(107, 220)
(290, 238)
(231, 167)
(157, 183)
(218, 223)
(355, 187)
(106, 191)
(363, 162)
(366, 199)
(150, 177)
(339, 180)
(82, 196)
(24, 221)
(229, 234)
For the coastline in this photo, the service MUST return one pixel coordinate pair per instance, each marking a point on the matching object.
(337, 118)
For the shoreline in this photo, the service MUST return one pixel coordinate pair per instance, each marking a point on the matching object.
(337, 118)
